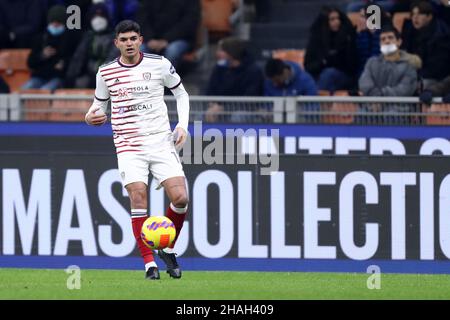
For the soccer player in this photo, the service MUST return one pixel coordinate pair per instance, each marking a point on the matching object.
(135, 83)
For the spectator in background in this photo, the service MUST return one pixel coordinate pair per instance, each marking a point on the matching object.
(429, 38)
(331, 51)
(387, 5)
(84, 6)
(169, 27)
(120, 9)
(286, 78)
(96, 48)
(51, 52)
(262, 9)
(19, 22)
(442, 9)
(368, 40)
(439, 89)
(394, 72)
(4, 88)
(235, 74)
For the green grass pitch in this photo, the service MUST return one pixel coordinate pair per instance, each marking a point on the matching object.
(196, 285)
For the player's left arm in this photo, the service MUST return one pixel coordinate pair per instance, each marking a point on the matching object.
(172, 80)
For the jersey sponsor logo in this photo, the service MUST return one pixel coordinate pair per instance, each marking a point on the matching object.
(139, 107)
(137, 89)
(125, 92)
(147, 76)
(122, 93)
(136, 107)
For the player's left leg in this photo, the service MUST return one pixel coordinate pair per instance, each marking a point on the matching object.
(177, 193)
(166, 168)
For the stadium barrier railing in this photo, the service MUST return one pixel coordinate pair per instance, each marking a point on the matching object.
(301, 109)
(366, 110)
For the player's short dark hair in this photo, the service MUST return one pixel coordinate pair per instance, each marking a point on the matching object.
(424, 7)
(127, 26)
(390, 28)
(274, 67)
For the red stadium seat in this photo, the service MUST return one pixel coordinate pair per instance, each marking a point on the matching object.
(347, 109)
(294, 55)
(70, 110)
(341, 93)
(354, 18)
(36, 109)
(201, 40)
(399, 19)
(14, 68)
(215, 16)
(437, 119)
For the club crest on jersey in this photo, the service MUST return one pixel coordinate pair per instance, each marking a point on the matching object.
(147, 76)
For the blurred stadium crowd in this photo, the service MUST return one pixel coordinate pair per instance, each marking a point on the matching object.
(258, 47)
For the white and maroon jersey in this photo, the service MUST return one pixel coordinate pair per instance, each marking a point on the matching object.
(137, 97)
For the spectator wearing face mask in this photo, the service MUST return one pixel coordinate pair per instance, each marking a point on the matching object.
(394, 72)
(96, 48)
(368, 39)
(120, 9)
(51, 52)
(84, 6)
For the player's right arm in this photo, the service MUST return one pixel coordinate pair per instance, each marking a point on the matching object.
(96, 115)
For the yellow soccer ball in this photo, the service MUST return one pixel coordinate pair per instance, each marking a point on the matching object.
(158, 232)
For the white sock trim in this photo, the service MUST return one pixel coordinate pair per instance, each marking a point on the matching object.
(138, 210)
(138, 213)
(168, 250)
(150, 264)
(178, 210)
(138, 216)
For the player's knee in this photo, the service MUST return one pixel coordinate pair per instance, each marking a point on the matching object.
(138, 199)
(180, 200)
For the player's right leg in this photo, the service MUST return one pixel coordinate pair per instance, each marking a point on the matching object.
(137, 192)
(134, 172)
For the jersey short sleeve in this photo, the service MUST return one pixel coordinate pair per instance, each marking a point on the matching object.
(170, 77)
(101, 90)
